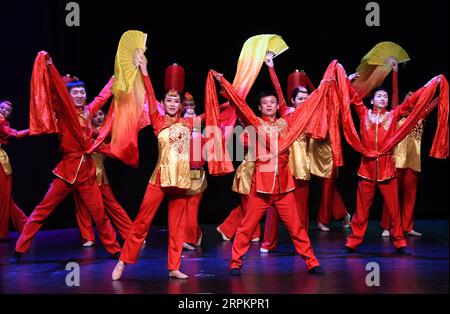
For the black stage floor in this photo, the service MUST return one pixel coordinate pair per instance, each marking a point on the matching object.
(43, 268)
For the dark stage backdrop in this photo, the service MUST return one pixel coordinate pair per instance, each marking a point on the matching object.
(200, 36)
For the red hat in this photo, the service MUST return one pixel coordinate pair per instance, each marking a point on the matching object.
(69, 78)
(298, 78)
(174, 78)
(188, 96)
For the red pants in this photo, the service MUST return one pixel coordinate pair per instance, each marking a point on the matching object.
(58, 191)
(115, 212)
(331, 204)
(365, 195)
(232, 222)
(153, 197)
(285, 204)
(192, 229)
(8, 209)
(407, 190)
(272, 219)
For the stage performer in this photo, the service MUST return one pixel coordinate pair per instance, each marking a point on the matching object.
(170, 178)
(407, 164)
(76, 171)
(113, 209)
(378, 125)
(273, 182)
(299, 163)
(193, 233)
(9, 211)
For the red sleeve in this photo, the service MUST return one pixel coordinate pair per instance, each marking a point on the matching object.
(431, 106)
(395, 97)
(156, 119)
(356, 101)
(284, 109)
(5, 131)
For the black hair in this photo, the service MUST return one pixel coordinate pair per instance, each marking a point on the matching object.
(380, 88)
(299, 89)
(165, 94)
(74, 84)
(266, 93)
(406, 94)
(6, 102)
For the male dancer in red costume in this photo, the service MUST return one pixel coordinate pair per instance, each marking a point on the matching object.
(271, 186)
(76, 171)
(9, 211)
(299, 164)
(375, 129)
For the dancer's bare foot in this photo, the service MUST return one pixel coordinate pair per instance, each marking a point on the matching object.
(414, 233)
(322, 227)
(263, 250)
(199, 242)
(385, 233)
(118, 270)
(88, 244)
(188, 247)
(257, 239)
(224, 237)
(347, 220)
(177, 274)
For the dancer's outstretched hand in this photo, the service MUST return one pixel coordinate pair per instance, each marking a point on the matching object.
(353, 76)
(269, 59)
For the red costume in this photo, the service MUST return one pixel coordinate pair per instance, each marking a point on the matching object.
(194, 194)
(377, 126)
(298, 164)
(76, 171)
(241, 185)
(332, 206)
(407, 163)
(113, 209)
(273, 183)
(230, 225)
(170, 178)
(9, 211)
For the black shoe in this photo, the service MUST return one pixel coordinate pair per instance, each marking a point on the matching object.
(116, 255)
(235, 272)
(347, 250)
(15, 257)
(316, 271)
(404, 250)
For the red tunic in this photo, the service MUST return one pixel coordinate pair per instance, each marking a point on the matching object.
(74, 146)
(5, 131)
(376, 127)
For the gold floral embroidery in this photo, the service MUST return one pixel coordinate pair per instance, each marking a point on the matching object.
(417, 132)
(384, 119)
(303, 137)
(280, 125)
(179, 140)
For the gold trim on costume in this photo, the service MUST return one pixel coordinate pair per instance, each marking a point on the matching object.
(4, 161)
(198, 182)
(407, 152)
(173, 160)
